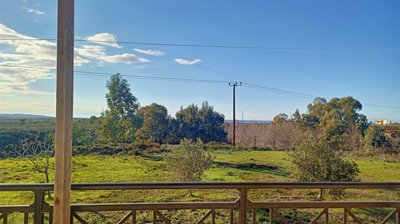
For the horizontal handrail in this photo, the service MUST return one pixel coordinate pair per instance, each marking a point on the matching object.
(242, 204)
(207, 185)
(153, 206)
(325, 204)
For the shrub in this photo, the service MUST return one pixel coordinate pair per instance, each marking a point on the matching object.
(315, 162)
(188, 161)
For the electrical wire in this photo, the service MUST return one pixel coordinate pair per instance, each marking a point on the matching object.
(172, 79)
(238, 47)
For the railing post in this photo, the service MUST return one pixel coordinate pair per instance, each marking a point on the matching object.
(327, 216)
(38, 207)
(243, 206)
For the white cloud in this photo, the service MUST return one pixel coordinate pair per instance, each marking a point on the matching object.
(16, 62)
(99, 53)
(33, 11)
(156, 53)
(187, 62)
(106, 39)
(25, 62)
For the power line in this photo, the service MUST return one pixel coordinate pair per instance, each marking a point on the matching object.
(276, 90)
(298, 94)
(238, 47)
(153, 77)
(382, 105)
(107, 74)
(164, 78)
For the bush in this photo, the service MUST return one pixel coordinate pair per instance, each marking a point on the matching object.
(188, 161)
(315, 162)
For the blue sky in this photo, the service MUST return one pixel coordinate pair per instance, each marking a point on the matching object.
(373, 77)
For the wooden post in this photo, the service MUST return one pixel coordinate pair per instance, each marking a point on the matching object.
(243, 206)
(64, 99)
(38, 207)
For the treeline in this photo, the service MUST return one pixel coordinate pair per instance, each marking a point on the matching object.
(125, 122)
(337, 122)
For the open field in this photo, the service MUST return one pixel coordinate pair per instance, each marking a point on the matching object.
(123, 168)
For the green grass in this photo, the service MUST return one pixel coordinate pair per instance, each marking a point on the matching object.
(140, 169)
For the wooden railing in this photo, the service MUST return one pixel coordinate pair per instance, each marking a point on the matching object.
(242, 210)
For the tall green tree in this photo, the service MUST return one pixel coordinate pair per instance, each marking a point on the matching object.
(203, 123)
(189, 122)
(211, 124)
(119, 121)
(333, 119)
(155, 123)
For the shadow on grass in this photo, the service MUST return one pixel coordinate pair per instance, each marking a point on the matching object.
(270, 169)
(152, 158)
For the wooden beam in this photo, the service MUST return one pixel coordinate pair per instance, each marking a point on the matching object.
(64, 102)
(243, 206)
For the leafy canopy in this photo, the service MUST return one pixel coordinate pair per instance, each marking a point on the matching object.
(189, 161)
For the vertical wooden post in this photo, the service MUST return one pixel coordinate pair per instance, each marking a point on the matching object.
(243, 206)
(38, 207)
(327, 216)
(271, 216)
(64, 99)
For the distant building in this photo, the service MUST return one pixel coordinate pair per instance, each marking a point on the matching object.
(383, 122)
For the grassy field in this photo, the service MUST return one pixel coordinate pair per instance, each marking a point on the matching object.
(122, 168)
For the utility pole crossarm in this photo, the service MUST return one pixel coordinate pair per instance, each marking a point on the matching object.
(234, 85)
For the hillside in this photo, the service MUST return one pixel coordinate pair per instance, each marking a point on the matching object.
(4, 116)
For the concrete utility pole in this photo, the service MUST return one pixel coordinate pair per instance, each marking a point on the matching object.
(64, 98)
(234, 85)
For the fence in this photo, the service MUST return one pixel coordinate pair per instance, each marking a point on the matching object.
(242, 210)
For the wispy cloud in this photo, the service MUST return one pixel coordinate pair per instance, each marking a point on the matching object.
(187, 62)
(106, 39)
(33, 11)
(17, 59)
(156, 53)
(23, 62)
(99, 53)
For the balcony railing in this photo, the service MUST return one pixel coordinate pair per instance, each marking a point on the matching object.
(242, 210)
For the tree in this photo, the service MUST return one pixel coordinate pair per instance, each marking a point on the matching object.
(375, 137)
(155, 123)
(82, 136)
(280, 118)
(203, 123)
(211, 124)
(119, 121)
(333, 118)
(173, 135)
(296, 117)
(353, 139)
(189, 161)
(315, 161)
(189, 122)
(38, 154)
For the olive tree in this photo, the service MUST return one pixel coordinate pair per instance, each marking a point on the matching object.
(188, 161)
(319, 162)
